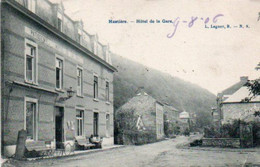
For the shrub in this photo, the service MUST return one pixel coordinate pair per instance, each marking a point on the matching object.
(138, 137)
(187, 132)
(230, 130)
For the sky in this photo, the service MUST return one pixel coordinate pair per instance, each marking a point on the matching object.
(211, 58)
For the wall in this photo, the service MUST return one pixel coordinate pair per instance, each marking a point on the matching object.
(159, 120)
(143, 105)
(221, 142)
(233, 111)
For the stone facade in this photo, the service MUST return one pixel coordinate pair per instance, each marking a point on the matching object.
(241, 111)
(159, 120)
(22, 28)
(221, 142)
(150, 111)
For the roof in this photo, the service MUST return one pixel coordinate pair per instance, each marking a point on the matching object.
(232, 89)
(140, 91)
(241, 94)
(184, 115)
(170, 107)
(142, 101)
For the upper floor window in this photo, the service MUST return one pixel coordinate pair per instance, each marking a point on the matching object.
(31, 5)
(107, 56)
(107, 91)
(59, 73)
(80, 36)
(79, 81)
(30, 61)
(60, 22)
(95, 48)
(95, 87)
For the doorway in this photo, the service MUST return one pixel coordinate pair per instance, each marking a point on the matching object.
(95, 124)
(59, 126)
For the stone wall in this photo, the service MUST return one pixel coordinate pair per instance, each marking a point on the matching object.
(232, 111)
(221, 142)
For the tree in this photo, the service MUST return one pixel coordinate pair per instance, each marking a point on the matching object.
(254, 88)
(203, 119)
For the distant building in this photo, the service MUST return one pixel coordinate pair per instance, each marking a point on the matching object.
(225, 94)
(235, 106)
(146, 115)
(232, 103)
(171, 118)
(185, 116)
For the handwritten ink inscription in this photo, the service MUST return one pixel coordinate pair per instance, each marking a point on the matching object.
(191, 22)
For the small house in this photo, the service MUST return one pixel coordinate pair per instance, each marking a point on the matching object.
(140, 120)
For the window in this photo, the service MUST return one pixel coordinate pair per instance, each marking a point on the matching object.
(95, 47)
(95, 87)
(95, 124)
(107, 56)
(59, 73)
(30, 62)
(31, 5)
(107, 125)
(31, 118)
(80, 122)
(80, 35)
(79, 81)
(107, 91)
(60, 22)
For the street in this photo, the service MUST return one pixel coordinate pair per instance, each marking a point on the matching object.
(161, 154)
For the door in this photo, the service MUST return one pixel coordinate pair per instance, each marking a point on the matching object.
(59, 126)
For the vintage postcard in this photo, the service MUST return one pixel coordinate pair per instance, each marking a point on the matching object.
(140, 83)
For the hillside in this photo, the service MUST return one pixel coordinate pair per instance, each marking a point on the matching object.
(162, 86)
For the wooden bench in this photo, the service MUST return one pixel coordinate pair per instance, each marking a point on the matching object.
(82, 142)
(37, 148)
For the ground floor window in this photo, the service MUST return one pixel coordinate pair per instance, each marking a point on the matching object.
(80, 122)
(95, 124)
(31, 118)
(107, 125)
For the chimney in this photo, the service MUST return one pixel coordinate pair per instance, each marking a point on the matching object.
(244, 78)
(140, 91)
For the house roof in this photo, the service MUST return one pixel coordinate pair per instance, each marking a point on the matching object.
(241, 94)
(142, 101)
(184, 115)
(232, 89)
(170, 107)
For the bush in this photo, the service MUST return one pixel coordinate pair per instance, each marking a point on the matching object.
(211, 132)
(187, 132)
(138, 137)
(171, 129)
(196, 143)
(230, 130)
